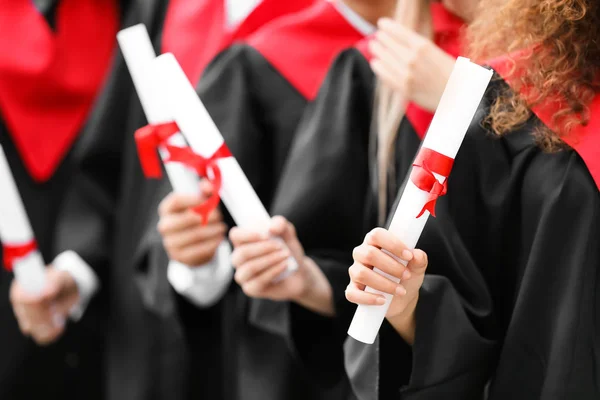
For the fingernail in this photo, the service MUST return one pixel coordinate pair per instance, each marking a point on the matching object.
(284, 253)
(380, 301)
(406, 275)
(406, 255)
(400, 291)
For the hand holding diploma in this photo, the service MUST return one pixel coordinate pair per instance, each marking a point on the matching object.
(42, 316)
(259, 259)
(185, 238)
(427, 180)
(375, 252)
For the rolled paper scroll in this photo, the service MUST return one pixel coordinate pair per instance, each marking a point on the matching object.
(202, 134)
(139, 54)
(461, 98)
(20, 253)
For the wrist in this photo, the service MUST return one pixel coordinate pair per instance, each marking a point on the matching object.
(316, 294)
(405, 322)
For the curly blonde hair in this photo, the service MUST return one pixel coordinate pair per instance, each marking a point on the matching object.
(565, 60)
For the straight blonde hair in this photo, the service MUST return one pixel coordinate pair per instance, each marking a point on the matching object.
(390, 105)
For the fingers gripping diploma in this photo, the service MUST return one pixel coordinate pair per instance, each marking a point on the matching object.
(260, 258)
(43, 316)
(185, 238)
(383, 250)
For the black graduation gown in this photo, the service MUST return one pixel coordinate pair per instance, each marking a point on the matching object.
(146, 354)
(267, 109)
(71, 368)
(510, 293)
(140, 253)
(256, 363)
(327, 179)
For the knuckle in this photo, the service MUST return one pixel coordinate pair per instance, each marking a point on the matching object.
(361, 275)
(161, 226)
(356, 252)
(371, 255)
(165, 205)
(249, 290)
(234, 235)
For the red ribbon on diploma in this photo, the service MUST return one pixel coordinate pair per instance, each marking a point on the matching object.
(12, 253)
(147, 140)
(150, 137)
(425, 165)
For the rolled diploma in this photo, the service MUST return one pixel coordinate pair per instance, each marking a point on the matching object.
(139, 54)
(15, 229)
(464, 90)
(205, 139)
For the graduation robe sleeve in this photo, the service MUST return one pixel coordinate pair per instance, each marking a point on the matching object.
(509, 296)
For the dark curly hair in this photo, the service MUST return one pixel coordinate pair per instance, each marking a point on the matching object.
(565, 60)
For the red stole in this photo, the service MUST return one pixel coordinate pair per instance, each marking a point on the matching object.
(49, 80)
(303, 46)
(585, 140)
(196, 31)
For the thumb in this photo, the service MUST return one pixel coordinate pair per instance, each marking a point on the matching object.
(284, 229)
(418, 265)
(279, 227)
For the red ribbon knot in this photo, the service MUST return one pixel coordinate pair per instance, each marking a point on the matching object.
(12, 253)
(147, 140)
(425, 165)
(150, 137)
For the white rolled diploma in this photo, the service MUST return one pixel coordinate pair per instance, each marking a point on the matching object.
(202, 134)
(15, 230)
(139, 54)
(464, 91)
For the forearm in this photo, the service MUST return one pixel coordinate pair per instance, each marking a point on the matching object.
(405, 323)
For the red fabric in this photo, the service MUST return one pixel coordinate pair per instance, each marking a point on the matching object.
(447, 35)
(150, 137)
(196, 30)
(147, 139)
(303, 46)
(12, 253)
(363, 47)
(202, 165)
(425, 165)
(49, 80)
(585, 140)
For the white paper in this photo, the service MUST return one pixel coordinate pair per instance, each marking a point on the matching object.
(461, 98)
(139, 54)
(15, 230)
(205, 139)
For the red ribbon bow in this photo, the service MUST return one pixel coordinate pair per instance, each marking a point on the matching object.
(12, 253)
(425, 165)
(150, 137)
(147, 140)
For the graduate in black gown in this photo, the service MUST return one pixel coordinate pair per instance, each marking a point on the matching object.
(144, 305)
(62, 94)
(324, 186)
(256, 93)
(508, 306)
